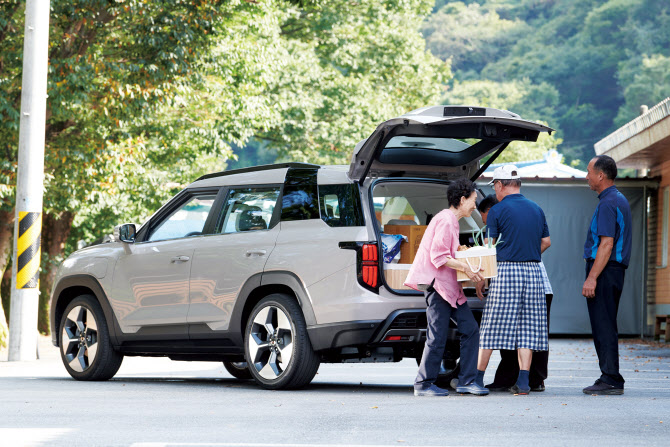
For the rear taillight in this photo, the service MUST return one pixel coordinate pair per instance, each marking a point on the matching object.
(367, 262)
(370, 265)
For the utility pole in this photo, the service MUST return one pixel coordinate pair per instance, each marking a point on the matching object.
(29, 184)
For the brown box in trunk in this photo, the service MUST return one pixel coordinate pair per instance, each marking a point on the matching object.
(414, 235)
(396, 274)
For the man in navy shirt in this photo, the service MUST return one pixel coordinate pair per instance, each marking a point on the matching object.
(508, 368)
(515, 316)
(607, 254)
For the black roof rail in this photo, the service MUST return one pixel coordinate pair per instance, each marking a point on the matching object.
(259, 168)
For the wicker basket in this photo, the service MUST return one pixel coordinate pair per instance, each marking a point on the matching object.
(480, 259)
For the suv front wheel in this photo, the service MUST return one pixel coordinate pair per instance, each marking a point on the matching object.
(85, 347)
(276, 345)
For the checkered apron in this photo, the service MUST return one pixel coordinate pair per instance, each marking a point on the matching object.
(515, 315)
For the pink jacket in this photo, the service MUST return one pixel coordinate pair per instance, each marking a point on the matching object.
(439, 242)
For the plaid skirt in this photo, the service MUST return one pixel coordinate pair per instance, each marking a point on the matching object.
(515, 315)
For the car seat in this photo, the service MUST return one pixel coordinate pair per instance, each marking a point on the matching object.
(251, 218)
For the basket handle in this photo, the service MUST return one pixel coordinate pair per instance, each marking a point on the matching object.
(472, 269)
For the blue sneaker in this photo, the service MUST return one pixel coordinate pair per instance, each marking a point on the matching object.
(431, 391)
(472, 388)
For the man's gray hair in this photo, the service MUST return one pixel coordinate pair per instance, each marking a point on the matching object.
(511, 182)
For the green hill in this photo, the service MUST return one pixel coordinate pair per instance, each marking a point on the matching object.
(583, 66)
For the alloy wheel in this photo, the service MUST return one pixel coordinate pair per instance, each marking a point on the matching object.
(270, 342)
(80, 338)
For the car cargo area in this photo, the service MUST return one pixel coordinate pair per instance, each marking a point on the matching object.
(403, 209)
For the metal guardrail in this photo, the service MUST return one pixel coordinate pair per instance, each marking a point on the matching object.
(653, 116)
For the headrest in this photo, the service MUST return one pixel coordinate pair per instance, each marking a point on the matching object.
(251, 218)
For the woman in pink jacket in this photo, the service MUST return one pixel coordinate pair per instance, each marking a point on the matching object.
(434, 272)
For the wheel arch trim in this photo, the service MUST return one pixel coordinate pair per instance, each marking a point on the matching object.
(69, 288)
(255, 289)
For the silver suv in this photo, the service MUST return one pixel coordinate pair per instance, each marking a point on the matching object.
(275, 269)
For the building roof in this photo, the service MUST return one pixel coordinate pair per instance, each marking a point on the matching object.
(547, 168)
(641, 143)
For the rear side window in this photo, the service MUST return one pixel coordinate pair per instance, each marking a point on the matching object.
(341, 205)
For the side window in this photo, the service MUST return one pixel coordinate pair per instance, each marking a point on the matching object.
(188, 220)
(247, 209)
(341, 205)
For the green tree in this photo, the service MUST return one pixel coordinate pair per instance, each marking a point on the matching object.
(146, 96)
(111, 63)
(470, 35)
(352, 65)
(589, 50)
(647, 84)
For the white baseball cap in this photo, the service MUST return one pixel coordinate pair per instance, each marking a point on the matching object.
(506, 172)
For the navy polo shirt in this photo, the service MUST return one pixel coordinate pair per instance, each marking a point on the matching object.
(521, 225)
(612, 219)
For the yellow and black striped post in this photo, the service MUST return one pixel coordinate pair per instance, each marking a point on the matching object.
(28, 250)
(25, 297)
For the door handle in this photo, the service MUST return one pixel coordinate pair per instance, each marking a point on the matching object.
(251, 253)
(180, 259)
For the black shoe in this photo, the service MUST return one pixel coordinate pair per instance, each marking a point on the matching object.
(602, 388)
(518, 390)
(494, 387)
(538, 388)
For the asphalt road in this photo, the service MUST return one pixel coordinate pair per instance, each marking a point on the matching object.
(158, 402)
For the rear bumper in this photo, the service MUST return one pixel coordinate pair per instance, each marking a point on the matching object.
(400, 327)
(338, 335)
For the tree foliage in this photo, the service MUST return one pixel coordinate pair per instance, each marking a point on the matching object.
(145, 96)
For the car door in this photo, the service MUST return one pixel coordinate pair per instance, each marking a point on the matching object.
(440, 142)
(244, 235)
(151, 278)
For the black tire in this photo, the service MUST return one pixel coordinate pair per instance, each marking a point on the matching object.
(239, 370)
(267, 353)
(87, 354)
(450, 368)
(449, 371)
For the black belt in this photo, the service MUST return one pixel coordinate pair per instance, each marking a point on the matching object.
(610, 263)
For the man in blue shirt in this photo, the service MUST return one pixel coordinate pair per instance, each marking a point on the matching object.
(607, 254)
(508, 368)
(515, 316)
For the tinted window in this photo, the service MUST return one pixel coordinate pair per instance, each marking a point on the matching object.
(300, 196)
(341, 205)
(188, 220)
(247, 209)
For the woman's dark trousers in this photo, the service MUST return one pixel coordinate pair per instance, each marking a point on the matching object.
(438, 314)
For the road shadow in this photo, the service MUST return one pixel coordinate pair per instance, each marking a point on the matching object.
(212, 383)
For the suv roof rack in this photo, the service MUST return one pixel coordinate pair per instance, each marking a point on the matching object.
(259, 168)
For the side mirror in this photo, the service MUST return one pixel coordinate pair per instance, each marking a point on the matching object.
(125, 233)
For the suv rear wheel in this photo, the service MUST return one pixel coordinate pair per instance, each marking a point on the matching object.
(85, 347)
(276, 345)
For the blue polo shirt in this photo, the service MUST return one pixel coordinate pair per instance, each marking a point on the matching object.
(521, 225)
(612, 219)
